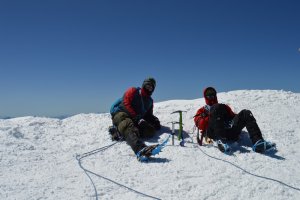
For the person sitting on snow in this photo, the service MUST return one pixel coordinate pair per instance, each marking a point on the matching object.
(220, 123)
(133, 117)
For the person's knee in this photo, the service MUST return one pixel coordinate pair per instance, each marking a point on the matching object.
(119, 117)
(127, 126)
(248, 115)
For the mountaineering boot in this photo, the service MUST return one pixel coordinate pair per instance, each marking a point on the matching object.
(114, 133)
(223, 147)
(146, 152)
(262, 146)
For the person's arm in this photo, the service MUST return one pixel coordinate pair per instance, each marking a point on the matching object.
(201, 119)
(151, 118)
(230, 112)
(127, 101)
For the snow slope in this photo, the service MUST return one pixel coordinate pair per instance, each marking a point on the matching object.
(37, 156)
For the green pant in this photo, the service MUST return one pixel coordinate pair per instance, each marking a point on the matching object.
(130, 132)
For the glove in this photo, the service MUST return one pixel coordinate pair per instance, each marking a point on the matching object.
(146, 129)
(153, 120)
(156, 123)
(204, 114)
(136, 119)
(143, 123)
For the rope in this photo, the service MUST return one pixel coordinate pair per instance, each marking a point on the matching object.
(86, 171)
(263, 177)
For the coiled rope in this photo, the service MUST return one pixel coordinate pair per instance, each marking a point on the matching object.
(86, 171)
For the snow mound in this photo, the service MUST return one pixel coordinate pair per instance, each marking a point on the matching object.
(38, 156)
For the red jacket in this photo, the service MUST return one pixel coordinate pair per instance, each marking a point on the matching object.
(136, 102)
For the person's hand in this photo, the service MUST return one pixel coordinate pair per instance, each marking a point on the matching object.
(156, 123)
(142, 123)
(204, 114)
(137, 118)
(146, 129)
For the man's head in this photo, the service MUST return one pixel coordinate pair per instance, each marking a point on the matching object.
(149, 85)
(210, 96)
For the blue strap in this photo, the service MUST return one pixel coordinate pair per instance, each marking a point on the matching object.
(225, 147)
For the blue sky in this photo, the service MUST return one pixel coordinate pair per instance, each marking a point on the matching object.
(62, 57)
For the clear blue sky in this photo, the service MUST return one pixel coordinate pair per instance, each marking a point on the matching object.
(61, 57)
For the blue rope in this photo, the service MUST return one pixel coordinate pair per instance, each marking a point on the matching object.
(263, 177)
(86, 171)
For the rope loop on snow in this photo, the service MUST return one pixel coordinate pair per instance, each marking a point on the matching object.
(88, 172)
(247, 172)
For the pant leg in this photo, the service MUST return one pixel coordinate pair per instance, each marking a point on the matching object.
(130, 132)
(246, 119)
(218, 126)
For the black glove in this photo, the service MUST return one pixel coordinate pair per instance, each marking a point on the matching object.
(143, 123)
(146, 129)
(156, 123)
(136, 119)
(204, 114)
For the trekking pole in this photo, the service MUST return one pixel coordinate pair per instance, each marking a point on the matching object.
(180, 136)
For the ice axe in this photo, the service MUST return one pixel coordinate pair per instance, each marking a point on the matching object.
(173, 131)
(180, 137)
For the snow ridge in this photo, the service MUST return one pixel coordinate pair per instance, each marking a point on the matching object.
(38, 156)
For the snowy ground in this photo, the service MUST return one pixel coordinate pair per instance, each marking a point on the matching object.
(37, 156)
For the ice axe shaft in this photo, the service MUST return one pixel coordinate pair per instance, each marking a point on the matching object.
(180, 131)
(173, 130)
(180, 123)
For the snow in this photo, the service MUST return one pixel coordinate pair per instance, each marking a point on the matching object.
(38, 156)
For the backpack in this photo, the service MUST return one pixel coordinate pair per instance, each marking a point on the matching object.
(115, 106)
(221, 118)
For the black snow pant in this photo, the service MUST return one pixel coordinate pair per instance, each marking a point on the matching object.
(221, 126)
(131, 132)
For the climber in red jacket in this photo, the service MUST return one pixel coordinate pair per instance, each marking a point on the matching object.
(220, 123)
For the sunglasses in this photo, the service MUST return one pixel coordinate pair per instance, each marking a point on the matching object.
(210, 94)
(210, 97)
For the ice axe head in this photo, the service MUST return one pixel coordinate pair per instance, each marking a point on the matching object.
(173, 123)
(178, 111)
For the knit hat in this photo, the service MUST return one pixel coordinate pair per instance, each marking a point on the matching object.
(149, 81)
